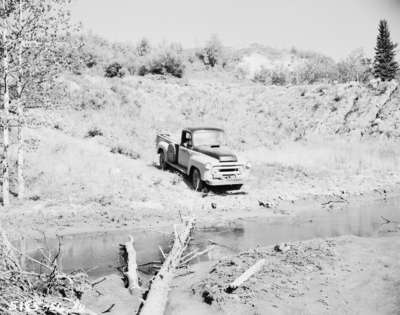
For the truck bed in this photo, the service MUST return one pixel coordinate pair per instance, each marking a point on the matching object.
(166, 137)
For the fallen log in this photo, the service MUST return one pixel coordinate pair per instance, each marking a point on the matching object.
(131, 272)
(157, 295)
(245, 276)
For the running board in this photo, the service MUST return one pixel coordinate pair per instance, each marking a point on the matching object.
(182, 169)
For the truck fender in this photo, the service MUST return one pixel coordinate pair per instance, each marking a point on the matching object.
(199, 161)
(162, 147)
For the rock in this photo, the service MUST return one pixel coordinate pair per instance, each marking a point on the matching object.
(264, 204)
(281, 248)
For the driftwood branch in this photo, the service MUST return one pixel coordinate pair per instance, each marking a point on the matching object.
(162, 252)
(245, 276)
(387, 221)
(193, 255)
(108, 310)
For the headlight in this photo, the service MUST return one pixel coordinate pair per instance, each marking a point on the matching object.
(248, 165)
(208, 166)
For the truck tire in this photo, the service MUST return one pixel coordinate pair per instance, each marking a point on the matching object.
(162, 161)
(197, 183)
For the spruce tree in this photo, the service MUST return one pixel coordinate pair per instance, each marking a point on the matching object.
(385, 65)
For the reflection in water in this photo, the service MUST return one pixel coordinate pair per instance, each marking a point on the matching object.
(98, 252)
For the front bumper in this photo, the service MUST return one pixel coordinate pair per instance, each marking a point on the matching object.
(225, 182)
(226, 175)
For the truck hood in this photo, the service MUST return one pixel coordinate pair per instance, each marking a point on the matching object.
(221, 154)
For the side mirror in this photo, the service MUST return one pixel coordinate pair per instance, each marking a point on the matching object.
(189, 143)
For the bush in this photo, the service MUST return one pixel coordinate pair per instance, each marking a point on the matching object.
(143, 48)
(90, 60)
(166, 60)
(212, 53)
(356, 67)
(278, 77)
(271, 77)
(114, 70)
(94, 132)
(121, 149)
(263, 76)
(316, 69)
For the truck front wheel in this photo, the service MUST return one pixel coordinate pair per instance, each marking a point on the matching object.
(162, 161)
(197, 183)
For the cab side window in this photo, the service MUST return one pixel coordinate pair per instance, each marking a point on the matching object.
(186, 139)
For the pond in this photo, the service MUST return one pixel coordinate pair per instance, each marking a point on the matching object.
(98, 253)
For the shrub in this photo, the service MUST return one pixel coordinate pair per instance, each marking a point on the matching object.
(263, 76)
(271, 77)
(94, 132)
(143, 48)
(212, 53)
(166, 60)
(316, 69)
(278, 77)
(90, 60)
(120, 149)
(356, 67)
(114, 70)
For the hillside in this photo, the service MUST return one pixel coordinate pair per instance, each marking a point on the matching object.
(93, 157)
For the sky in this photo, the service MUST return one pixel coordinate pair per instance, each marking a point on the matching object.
(332, 27)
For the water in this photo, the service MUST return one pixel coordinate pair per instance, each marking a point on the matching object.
(364, 220)
(97, 253)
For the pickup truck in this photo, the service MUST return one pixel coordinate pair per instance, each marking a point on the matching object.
(200, 155)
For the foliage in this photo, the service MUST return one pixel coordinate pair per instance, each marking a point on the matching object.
(271, 77)
(114, 70)
(40, 47)
(356, 67)
(385, 65)
(212, 53)
(316, 69)
(123, 150)
(294, 67)
(49, 291)
(94, 132)
(167, 59)
(143, 48)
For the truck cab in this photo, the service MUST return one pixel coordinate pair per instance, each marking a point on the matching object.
(202, 155)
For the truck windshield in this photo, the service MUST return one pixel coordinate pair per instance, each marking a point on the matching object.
(212, 138)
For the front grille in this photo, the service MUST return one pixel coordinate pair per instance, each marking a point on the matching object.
(227, 171)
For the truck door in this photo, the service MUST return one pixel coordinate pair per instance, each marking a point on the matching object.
(184, 148)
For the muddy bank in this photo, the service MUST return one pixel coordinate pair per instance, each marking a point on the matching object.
(309, 277)
(345, 275)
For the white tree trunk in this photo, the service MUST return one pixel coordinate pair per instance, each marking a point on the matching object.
(21, 118)
(157, 297)
(5, 122)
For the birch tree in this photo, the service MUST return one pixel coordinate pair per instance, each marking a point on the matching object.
(39, 30)
(6, 9)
